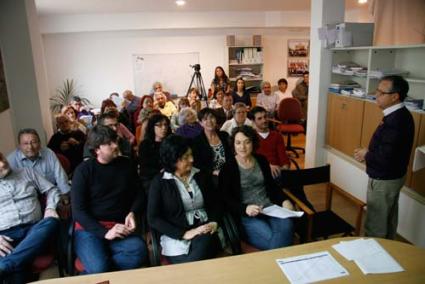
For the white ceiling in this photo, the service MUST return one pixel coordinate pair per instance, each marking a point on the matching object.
(52, 7)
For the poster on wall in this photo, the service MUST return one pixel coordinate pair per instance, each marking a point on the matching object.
(298, 47)
(297, 67)
(4, 100)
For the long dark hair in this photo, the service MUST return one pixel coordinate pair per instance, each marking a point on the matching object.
(216, 79)
(150, 128)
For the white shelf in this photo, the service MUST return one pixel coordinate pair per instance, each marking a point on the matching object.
(246, 80)
(244, 64)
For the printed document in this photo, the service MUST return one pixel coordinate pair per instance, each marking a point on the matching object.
(280, 212)
(310, 268)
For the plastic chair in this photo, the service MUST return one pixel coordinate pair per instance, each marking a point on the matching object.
(322, 224)
(290, 121)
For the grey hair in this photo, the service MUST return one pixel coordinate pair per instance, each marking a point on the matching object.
(184, 113)
(264, 83)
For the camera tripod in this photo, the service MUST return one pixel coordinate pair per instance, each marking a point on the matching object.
(198, 83)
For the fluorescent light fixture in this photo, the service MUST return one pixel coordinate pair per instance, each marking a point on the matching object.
(362, 1)
(180, 2)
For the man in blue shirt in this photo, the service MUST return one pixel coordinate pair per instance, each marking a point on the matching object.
(30, 154)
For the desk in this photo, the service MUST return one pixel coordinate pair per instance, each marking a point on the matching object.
(261, 267)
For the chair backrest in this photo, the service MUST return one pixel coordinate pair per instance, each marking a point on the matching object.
(304, 177)
(290, 110)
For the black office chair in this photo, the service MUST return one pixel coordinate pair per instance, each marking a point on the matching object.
(315, 225)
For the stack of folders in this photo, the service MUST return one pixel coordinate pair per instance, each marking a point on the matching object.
(369, 256)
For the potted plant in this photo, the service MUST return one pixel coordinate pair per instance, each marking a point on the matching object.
(64, 95)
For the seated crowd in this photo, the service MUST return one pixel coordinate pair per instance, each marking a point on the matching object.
(127, 166)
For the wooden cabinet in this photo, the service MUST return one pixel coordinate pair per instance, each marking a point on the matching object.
(417, 179)
(372, 117)
(345, 116)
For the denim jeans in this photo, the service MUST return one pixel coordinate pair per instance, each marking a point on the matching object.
(265, 232)
(101, 255)
(29, 241)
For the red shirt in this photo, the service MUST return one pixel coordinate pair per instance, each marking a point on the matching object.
(273, 148)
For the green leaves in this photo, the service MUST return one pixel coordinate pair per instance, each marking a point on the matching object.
(64, 95)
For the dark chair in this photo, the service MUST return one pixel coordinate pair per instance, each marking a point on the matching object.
(237, 245)
(315, 225)
(289, 122)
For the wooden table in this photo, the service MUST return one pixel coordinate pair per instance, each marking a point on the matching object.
(261, 267)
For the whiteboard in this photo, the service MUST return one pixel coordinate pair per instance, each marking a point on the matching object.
(172, 70)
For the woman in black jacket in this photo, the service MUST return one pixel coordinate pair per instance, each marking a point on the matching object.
(183, 206)
(157, 130)
(211, 148)
(248, 187)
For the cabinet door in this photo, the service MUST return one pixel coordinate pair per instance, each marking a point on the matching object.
(417, 179)
(345, 117)
(371, 119)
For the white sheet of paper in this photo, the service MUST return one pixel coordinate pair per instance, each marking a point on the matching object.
(310, 268)
(380, 262)
(369, 256)
(280, 212)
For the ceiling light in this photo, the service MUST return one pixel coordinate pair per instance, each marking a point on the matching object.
(362, 1)
(180, 2)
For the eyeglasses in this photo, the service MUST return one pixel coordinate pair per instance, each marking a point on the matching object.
(31, 143)
(379, 93)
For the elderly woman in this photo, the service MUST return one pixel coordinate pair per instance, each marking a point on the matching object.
(68, 141)
(157, 129)
(248, 187)
(239, 118)
(71, 114)
(182, 206)
(189, 125)
(158, 88)
(146, 107)
(182, 104)
(211, 148)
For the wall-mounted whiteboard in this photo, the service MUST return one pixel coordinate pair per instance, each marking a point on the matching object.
(172, 70)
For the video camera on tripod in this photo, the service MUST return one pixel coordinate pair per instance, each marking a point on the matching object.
(198, 83)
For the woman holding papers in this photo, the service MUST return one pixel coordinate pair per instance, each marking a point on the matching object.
(183, 205)
(248, 188)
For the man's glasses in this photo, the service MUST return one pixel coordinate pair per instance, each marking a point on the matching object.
(378, 93)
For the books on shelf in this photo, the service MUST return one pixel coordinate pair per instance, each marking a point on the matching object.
(343, 87)
(349, 68)
(379, 73)
(248, 55)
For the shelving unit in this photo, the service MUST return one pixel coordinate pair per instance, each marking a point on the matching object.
(409, 58)
(247, 62)
(351, 121)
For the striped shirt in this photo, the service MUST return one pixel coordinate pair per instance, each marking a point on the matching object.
(19, 203)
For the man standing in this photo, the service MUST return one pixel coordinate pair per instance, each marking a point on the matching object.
(106, 198)
(301, 93)
(272, 145)
(30, 154)
(268, 100)
(24, 233)
(387, 158)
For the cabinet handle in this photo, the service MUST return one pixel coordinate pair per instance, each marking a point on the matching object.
(343, 106)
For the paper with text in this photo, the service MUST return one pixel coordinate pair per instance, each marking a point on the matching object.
(310, 268)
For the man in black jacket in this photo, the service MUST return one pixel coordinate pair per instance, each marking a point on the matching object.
(387, 158)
